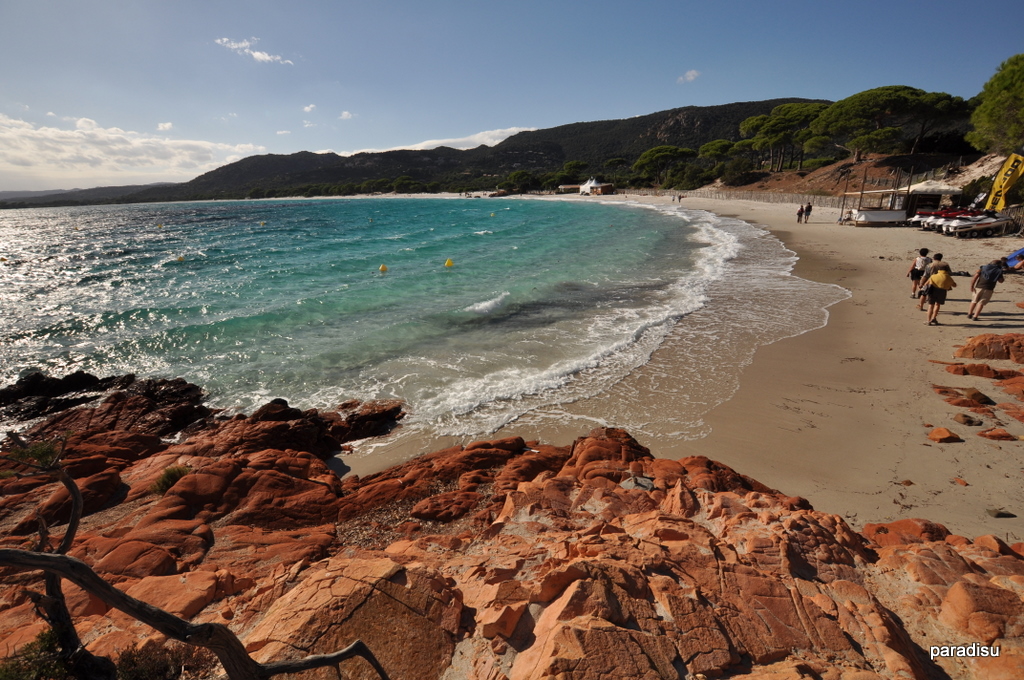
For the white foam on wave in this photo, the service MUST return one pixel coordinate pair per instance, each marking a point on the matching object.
(734, 258)
(484, 232)
(487, 306)
(608, 346)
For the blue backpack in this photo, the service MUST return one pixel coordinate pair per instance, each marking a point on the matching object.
(990, 273)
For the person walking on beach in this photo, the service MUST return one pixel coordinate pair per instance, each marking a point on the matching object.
(800, 214)
(983, 285)
(939, 283)
(807, 213)
(925, 283)
(916, 270)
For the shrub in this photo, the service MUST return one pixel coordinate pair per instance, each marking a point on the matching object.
(168, 478)
(815, 163)
(152, 662)
(36, 661)
(740, 171)
(39, 453)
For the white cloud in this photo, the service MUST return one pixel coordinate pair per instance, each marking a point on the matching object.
(689, 76)
(345, 115)
(487, 138)
(88, 154)
(309, 109)
(244, 47)
(164, 127)
(308, 124)
(284, 132)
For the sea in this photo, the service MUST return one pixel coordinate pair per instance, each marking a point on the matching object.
(477, 313)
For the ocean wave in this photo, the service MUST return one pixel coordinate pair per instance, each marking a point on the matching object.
(487, 305)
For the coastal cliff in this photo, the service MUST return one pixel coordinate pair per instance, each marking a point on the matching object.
(499, 560)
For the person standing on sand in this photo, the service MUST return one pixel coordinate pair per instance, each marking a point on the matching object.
(940, 282)
(983, 285)
(925, 283)
(800, 214)
(916, 270)
(807, 212)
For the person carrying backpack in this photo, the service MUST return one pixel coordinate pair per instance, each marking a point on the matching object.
(939, 283)
(983, 285)
(916, 271)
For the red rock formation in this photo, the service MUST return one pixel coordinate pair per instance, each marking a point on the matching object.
(998, 434)
(991, 346)
(158, 407)
(944, 436)
(514, 560)
(983, 371)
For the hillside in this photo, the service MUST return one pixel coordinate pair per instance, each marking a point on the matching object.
(880, 170)
(687, 127)
(538, 151)
(106, 194)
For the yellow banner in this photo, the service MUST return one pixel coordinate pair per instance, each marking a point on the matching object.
(1005, 178)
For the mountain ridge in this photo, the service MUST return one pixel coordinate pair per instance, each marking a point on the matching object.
(544, 150)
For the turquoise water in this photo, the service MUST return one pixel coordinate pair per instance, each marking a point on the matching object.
(547, 302)
(254, 300)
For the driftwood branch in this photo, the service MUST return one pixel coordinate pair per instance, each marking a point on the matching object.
(52, 607)
(216, 637)
(357, 648)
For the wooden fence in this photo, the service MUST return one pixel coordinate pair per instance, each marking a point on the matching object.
(772, 197)
(1015, 213)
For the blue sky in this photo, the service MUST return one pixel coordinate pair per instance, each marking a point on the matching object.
(121, 92)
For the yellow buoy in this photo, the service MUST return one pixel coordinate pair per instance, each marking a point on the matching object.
(492, 214)
(449, 263)
(181, 258)
(383, 268)
(263, 224)
(159, 226)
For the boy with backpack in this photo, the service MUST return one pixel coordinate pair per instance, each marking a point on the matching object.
(983, 284)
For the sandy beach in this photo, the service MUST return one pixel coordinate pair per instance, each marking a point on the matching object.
(840, 415)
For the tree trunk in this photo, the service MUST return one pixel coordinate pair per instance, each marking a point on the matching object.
(216, 637)
(81, 662)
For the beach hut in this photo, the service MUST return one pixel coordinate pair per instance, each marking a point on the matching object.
(896, 205)
(594, 188)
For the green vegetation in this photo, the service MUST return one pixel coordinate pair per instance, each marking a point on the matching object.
(168, 478)
(655, 163)
(38, 660)
(739, 171)
(884, 120)
(999, 118)
(163, 663)
(734, 143)
(815, 163)
(785, 129)
(42, 453)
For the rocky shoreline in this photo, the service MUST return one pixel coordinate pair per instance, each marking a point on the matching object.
(499, 560)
